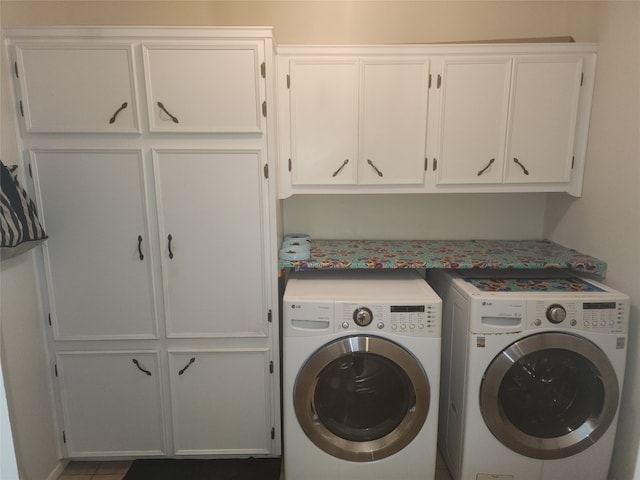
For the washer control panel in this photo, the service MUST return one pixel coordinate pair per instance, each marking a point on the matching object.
(420, 320)
(598, 315)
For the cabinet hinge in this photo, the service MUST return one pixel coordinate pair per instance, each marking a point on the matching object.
(55, 369)
(288, 81)
(271, 366)
(49, 319)
(263, 69)
(265, 170)
(426, 164)
(269, 316)
(435, 164)
(15, 69)
(573, 161)
(273, 433)
(581, 78)
(30, 171)
(429, 81)
(21, 109)
(64, 437)
(264, 109)
(439, 82)
(289, 164)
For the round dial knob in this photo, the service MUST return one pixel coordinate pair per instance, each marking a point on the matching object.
(556, 313)
(362, 316)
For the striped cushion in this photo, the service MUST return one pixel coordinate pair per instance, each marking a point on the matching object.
(20, 229)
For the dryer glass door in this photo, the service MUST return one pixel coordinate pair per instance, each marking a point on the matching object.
(549, 395)
(361, 398)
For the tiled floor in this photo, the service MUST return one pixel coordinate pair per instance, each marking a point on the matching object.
(117, 470)
(95, 471)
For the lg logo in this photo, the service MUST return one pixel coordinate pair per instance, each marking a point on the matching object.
(296, 306)
(486, 304)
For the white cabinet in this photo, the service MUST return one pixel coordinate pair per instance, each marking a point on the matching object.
(161, 235)
(111, 403)
(393, 119)
(208, 87)
(358, 120)
(219, 403)
(434, 118)
(508, 119)
(473, 120)
(324, 128)
(98, 257)
(544, 106)
(211, 205)
(77, 87)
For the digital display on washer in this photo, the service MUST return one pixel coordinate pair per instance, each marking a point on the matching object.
(599, 305)
(407, 308)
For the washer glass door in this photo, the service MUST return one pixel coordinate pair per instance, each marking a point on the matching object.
(549, 395)
(361, 398)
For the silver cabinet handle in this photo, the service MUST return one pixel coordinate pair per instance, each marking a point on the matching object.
(374, 168)
(340, 168)
(487, 167)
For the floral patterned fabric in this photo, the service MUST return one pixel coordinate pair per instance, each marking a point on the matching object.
(452, 254)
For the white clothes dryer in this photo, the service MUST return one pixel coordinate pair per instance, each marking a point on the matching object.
(361, 375)
(532, 371)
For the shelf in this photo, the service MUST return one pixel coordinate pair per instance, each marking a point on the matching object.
(451, 254)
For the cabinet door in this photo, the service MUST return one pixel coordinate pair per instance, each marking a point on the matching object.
(544, 106)
(473, 116)
(324, 121)
(111, 403)
(221, 402)
(393, 120)
(98, 258)
(204, 88)
(212, 224)
(77, 87)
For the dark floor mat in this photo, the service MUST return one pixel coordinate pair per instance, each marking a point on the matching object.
(192, 469)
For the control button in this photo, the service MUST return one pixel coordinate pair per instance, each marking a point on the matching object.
(380, 325)
(394, 326)
(556, 313)
(403, 326)
(573, 322)
(345, 325)
(363, 316)
(537, 322)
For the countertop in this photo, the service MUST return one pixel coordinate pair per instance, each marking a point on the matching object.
(451, 254)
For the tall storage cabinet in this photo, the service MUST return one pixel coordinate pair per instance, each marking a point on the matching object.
(160, 269)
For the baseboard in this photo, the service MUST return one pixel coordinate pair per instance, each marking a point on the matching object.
(58, 469)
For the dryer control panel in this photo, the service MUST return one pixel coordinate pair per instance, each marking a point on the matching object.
(597, 315)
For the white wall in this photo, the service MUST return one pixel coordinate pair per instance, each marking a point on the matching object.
(426, 216)
(605, 221)
(25, 366)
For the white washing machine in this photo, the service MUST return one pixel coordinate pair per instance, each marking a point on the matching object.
(532, 372)
(361, 375)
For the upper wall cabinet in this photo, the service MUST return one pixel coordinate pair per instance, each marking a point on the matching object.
(508, 120)
(434, 118)
(209, 87)
(77, 87)
(356, 120)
